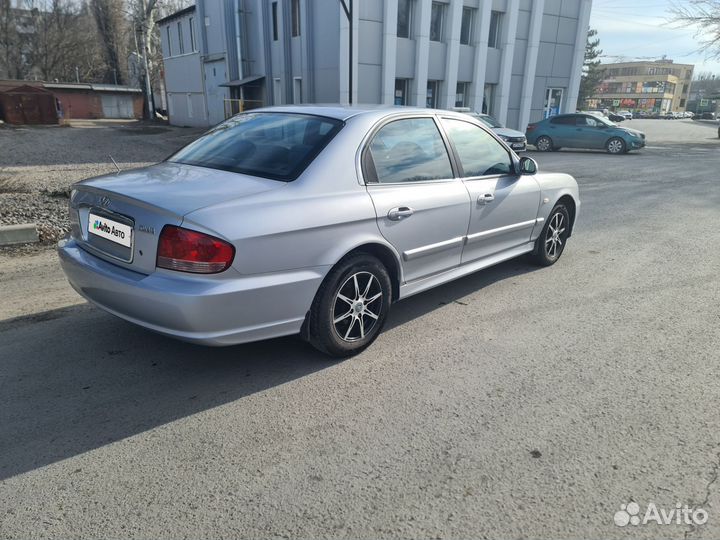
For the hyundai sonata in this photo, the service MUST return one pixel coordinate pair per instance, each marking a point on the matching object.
(310, 220)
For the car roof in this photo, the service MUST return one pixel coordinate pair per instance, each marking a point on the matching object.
(345, 112)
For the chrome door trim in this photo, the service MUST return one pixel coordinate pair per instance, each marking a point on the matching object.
(500, 230)
(432, 248)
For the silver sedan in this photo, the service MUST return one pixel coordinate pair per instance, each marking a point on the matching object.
(309, 220)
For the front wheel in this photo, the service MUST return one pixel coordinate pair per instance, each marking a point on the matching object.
(551, 242)
(615, 146)
(351, 306)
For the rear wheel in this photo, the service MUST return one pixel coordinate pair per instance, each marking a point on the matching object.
(551, 242)
(544, 144)
(351, 306)
(616, 146)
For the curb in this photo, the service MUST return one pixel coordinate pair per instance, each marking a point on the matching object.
(18, 234)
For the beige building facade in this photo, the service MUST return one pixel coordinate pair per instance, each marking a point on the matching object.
(660, 86)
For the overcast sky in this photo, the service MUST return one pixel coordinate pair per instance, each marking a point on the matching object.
(637, 29)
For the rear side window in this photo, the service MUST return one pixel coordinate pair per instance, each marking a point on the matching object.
(278, 146)
(587, 121)
(480, 154)
(408, 150)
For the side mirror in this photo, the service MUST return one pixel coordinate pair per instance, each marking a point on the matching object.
(528, 166)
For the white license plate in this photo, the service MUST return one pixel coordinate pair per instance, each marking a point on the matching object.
(518, 145)
(110, 230)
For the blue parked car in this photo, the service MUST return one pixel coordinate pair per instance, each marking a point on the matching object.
(583, 131)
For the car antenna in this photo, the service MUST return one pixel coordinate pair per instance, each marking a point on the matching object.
(116, 165)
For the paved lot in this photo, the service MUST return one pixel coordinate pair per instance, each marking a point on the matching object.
(515, 403)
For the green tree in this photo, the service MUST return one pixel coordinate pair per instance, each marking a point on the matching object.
(593, 73)
(704, 16)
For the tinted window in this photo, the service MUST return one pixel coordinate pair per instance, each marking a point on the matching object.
(480, 154)
(563, 120)
(410, 150)
(271, 145)
(466, 25)
(404, 18)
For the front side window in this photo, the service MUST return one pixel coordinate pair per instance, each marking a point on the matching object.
(409, 150)
(278, 146)
(404, 19)
(468, 17)
(437, 14)
(480, 154)
(495, 26)
(563, 120)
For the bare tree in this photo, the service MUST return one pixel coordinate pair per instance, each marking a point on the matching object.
(113, 31)
(704, 16)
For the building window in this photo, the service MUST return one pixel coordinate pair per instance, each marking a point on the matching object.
(181, 45)
(488, 104)
(404, 19)
(401, 86)
(685, 89)
(437, 14)
(277, 92)
(431, 98)
(468, 17)
(682, 103)
(274, 21)
(169, 40)
(295, 18)
(192, 35)
(461, 94)
(495, 27)
(297, 90)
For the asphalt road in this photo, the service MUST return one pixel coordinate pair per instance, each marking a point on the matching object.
(515, 403)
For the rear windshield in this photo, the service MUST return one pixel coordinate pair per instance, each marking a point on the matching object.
(271, 145)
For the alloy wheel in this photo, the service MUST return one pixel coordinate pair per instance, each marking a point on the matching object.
(555, 236)
(357, 306)
(544, 144)
(616, 146)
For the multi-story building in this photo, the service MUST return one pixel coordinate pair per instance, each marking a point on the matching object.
(659, 86)
(519, 60)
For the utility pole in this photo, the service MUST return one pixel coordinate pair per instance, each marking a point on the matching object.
(348, 9)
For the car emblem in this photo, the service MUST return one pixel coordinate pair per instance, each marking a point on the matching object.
(104, 202)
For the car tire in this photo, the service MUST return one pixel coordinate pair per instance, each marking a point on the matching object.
(552, 240)
(544, 144)
(616, 146)
(342, 322)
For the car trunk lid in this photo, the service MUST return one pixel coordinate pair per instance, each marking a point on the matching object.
(119, 217)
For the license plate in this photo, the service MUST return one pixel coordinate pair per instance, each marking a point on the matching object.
(110, 230)
(518, 145)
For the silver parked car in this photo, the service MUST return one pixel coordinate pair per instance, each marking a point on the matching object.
(309, 220)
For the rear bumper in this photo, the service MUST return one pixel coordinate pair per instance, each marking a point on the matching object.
(207, 310)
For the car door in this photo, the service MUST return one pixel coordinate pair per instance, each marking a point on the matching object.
(560, 130)
(590, 132)
(422, 208)
(504, 205)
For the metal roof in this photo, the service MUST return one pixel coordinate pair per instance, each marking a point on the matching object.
(175, 15)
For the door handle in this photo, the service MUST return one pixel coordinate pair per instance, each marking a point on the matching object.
(400, 213)
(487, 198)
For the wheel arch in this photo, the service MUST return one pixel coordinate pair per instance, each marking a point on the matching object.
(387, 256)
(571, 206)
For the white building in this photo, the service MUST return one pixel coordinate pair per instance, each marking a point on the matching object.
(519, 60)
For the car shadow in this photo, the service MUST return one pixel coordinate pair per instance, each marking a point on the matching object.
(75, 379)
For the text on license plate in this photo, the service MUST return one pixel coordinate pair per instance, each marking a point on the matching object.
(518, 145)
(110, 230)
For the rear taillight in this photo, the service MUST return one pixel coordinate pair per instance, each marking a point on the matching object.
(191, 251)
(531, 127)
